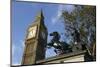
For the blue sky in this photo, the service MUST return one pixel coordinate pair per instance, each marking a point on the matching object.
(23, 14)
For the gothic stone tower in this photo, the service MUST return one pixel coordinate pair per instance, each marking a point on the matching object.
(35, 42)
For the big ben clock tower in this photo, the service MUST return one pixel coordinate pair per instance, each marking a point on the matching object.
(35, 42)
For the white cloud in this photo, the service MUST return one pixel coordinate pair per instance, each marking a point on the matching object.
(17, 52)
(56, 18)
(22, 43)
(50, 52)
(13, 49)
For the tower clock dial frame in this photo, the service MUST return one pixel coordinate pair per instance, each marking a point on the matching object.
(32, 32)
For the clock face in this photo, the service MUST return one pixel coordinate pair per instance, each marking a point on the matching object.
(32, 32)
(43, 35)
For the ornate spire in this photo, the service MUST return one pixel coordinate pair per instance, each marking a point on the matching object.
(38, 18)
(40, 15)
